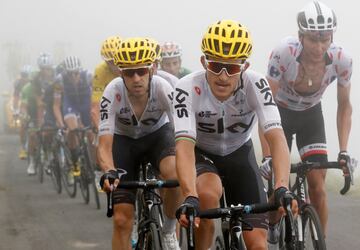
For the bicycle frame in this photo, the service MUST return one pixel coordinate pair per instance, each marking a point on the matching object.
(232, 218)
(150, 215)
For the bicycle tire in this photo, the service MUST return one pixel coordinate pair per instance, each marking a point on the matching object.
(65, 169)
(91, 177)
(219, 243)
(39, 164)
(83, 180)
(56, 173)
(313, 236)
(150, 239)
(294, 244)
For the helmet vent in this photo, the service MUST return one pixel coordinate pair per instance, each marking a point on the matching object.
(320, 19)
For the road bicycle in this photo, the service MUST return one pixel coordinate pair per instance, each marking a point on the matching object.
(86, 179)
(149, 213)
(232, 223)
(309, 233)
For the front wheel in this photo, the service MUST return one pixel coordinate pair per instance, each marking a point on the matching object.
(313, 237)
(289, 239)
(150, 239)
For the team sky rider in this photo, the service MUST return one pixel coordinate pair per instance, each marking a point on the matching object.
(72, 101)
(171, 60)
(104, 73)
(32, 102)
(215, 111)
(299, 71)
(19, 83)
(135, 111)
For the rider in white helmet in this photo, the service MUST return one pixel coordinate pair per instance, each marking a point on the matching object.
(171, 60)
(299, 71)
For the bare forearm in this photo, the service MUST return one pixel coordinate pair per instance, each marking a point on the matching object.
(344, 125)
(280, 157)
(264, 145)
(185, 169)
(104, 153)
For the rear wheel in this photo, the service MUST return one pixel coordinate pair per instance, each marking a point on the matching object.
(84, 183)
(39, 163)
(67, 177)
(55, 173)
(91, 178)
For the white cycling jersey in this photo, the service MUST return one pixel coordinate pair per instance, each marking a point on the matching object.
(173, 80)
(222, 127)
(117, 115)
(284, 65)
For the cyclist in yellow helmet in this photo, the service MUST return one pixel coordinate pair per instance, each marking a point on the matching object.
(104, 73)
(214, 112)
(135, 112)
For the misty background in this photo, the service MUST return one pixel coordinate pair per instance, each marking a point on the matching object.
(78, 27)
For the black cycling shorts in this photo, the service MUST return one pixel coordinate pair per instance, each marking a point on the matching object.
(309, 129)
(240, 177)
(129, 153)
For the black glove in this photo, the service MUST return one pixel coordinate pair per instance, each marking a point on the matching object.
(191, 205)
(283, 197)
(343, 156)
(111, 175)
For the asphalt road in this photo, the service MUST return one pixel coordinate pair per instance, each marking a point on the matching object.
(33, 216)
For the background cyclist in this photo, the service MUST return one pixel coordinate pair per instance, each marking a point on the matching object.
(171, 60)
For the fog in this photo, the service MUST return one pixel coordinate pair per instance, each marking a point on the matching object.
(78, 27)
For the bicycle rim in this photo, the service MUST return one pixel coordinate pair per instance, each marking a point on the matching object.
(313, 237)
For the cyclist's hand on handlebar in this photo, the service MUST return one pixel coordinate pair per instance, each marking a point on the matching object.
(190, 206)
(265, 167)
(109, 180)
(344, 159)
(284, 198)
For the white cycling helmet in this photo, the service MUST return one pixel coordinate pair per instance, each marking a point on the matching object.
(45, 61)
(316, 16)
(72, 63)
(170, 50)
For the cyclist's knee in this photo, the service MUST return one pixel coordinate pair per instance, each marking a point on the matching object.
(317, 191)
(123, 218)
(256, 239)
(208, 198)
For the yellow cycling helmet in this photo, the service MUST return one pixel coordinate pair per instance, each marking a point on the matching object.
(156, 47)
(109, 47)
(227, 39)
(135, 51)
